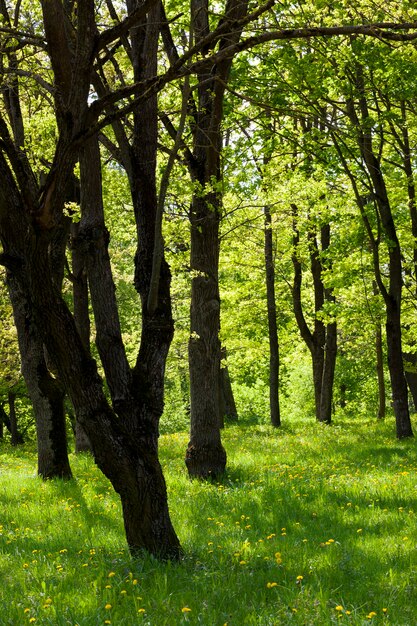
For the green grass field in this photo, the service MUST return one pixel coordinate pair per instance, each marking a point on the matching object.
(311, 525)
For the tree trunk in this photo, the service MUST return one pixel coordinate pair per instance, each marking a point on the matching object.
(228, 410)
(396, 370)
(380, 372)
(322, 342)
(14, 432)
(46, 394)
(393, 295)
(205, 454)
(5, 421)
(272, 321)
(330, 353)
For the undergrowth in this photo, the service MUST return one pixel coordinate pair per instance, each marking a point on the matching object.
(310, 525)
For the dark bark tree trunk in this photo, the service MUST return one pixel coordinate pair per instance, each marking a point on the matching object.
(14, 432)
(272, 321)
(205, 454)
(81, 315)
(5, 421)
(330, 343)
(45, 392)
(228, 410)
(322, 341)
(123, 438)
(359, 116)
(380, 372)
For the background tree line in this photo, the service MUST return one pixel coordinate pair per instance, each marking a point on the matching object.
(259, 158)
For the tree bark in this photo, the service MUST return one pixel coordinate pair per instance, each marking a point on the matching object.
(81, 316)
(46, 394)
(123, 437)
(380, 372)
(322, 341)
(228, 410)
(205, 455)
(272, 321)
(14, 432)
(359, 116)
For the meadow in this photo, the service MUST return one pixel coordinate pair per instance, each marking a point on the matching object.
(311, 525)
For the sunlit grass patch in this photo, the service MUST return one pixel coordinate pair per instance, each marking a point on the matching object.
(310, 525)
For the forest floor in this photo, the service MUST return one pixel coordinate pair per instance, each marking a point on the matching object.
(311, 524)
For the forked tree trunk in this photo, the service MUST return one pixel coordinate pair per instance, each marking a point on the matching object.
(322, 341)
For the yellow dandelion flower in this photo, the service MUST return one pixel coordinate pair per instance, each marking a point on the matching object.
(123, 592)
(26, 610)
(384, 610)
(299, 578)
(371, 615)
(107, 606)
(111, 574)
(185, 609)
(339, 607)
(271, 585)
(141, 610)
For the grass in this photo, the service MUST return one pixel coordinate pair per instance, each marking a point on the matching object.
(311, 525)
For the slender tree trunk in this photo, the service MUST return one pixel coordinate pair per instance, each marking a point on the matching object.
(13, 419)
(272, 321)
(396, 369)
(330, 353)
(393, 295)
(322, 342)
(228, 408)
(5, 421)
(380, 372)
